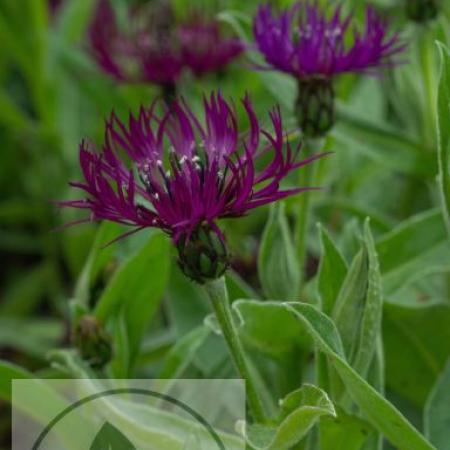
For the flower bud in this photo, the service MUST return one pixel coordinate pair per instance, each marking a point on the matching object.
(92, 341)
(422, 10)
(203, 256)
(314, 106)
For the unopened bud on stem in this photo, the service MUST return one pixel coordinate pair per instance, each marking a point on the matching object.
(92, 341)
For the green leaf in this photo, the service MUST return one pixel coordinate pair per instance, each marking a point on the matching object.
(11, 115)
(383, 144)
(443, 108)
(181, 354)
(34, 337)
(278, 268)
(381, 414)
(344, 432)
(19, 298)
(73, 18)
(417, 345)
(410, 239)
(437, 412)
(416, 244)
(347, 310)
(238, 287)
(300, 410)
(332, 271)
(109, 437)
(97, 259)
(370, 327)
(121, 363)
(272, 332)
(133, 293)
(9, 372)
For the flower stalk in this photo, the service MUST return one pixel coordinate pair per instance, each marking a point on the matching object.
(218, 294)
(307, 177)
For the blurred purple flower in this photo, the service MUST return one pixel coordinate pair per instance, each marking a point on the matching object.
(54, 5)
(155, 48)
(204, 47)
(146, 52)
(185, 175)
(307, 41)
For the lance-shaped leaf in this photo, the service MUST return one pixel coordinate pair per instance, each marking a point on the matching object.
(358, 309)
(182, 353)
(278, 268)
(332, 271)
(300, 410)
(444, 132)
(98, 257)
(437, 412)
(131, 294)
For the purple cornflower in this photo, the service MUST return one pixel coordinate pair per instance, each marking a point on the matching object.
(147, 52)
(305, 41)
(314, 45)
(204, 47)
(185, 175)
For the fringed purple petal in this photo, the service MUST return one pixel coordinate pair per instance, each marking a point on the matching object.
(307, 41)
(204, 48)
(205, 173)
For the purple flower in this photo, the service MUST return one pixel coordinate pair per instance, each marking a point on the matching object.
(307, 41)
(184, 175)
(147, 52)
(313, 45)
(204, 47)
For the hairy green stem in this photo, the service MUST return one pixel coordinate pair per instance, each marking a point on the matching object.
(308, 177)
(218, 295)
(429, 80)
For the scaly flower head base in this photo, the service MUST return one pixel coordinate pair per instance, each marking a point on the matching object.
(422, 10)
(185, 175)
(314, 107)
(203, 256)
